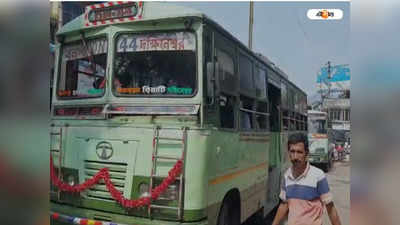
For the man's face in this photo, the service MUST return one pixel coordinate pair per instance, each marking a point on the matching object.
(297, 154)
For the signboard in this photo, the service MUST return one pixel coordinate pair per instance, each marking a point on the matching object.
(85, 83)
(78, 51)
(317, 136)
(337, 81)
(342, 103)
(341, 126)
(156, 42)
(113, 12)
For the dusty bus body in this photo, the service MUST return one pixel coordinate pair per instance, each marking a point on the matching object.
(141, 93)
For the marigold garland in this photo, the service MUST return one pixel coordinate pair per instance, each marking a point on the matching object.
(116, 194)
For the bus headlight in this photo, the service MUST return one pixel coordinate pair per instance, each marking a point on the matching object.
(71, 180)
(171, 193)
(144, 190)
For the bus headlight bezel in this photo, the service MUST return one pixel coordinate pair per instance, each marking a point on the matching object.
(171, 193)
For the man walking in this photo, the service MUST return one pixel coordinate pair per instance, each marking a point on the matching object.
(305, 189)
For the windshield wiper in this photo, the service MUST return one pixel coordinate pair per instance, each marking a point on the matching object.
(90, 55)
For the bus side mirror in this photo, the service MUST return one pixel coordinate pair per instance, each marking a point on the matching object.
(212, 69)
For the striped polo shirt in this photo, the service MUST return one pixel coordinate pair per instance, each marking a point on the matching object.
(306, 196)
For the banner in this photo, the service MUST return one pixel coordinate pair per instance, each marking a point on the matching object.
(339, 79)
(156, 42)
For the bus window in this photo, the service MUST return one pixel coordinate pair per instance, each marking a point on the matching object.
(227, 113)
(285, 120)
(262, 117)
(83, 69)
(284, 95)
(260, 76)
(155, 64)
(245, 121)
(226, 73)
(246, 113)
(274, 99)
(246, 77)
(290, 98)
(296, 102)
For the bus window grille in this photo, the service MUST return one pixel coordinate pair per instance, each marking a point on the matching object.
(117, 175)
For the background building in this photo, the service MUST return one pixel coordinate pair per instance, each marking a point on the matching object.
(334, 98)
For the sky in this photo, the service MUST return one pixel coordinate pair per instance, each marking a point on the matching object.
(283, 33)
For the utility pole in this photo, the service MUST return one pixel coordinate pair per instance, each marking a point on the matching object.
(251, 21)
(328, 83)
(329, 91)
(60, 16)
(329, 79)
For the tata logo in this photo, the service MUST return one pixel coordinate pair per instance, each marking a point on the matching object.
(104, 150)
(325, 14)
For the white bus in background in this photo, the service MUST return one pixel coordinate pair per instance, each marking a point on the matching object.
(321, 149)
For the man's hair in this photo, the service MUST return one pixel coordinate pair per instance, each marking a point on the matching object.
(298, 138)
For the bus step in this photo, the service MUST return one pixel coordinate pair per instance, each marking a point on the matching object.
(166, 157)
(164, 207)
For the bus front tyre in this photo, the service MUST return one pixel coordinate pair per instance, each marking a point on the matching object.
(228, 215)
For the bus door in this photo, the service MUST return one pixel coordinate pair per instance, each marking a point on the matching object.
(274, 99)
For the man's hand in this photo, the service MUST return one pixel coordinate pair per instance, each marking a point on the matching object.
(333, 214)
(282, 212)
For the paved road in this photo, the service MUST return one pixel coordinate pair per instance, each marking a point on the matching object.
(339, 182)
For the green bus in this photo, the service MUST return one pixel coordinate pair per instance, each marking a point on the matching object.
(161, 116)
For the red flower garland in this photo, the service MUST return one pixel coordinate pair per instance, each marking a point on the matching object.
(116, 195)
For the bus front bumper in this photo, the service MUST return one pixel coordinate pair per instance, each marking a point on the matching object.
(59, 217)
(318, 159)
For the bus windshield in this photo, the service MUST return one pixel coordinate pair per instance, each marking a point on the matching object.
(77, 77)
(316, 126)
(162, 64)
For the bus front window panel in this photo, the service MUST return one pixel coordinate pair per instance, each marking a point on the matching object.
(83, 69)
(316, 126)
(155, 65)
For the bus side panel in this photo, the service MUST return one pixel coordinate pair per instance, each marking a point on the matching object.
(235, 162)
(196, 181)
